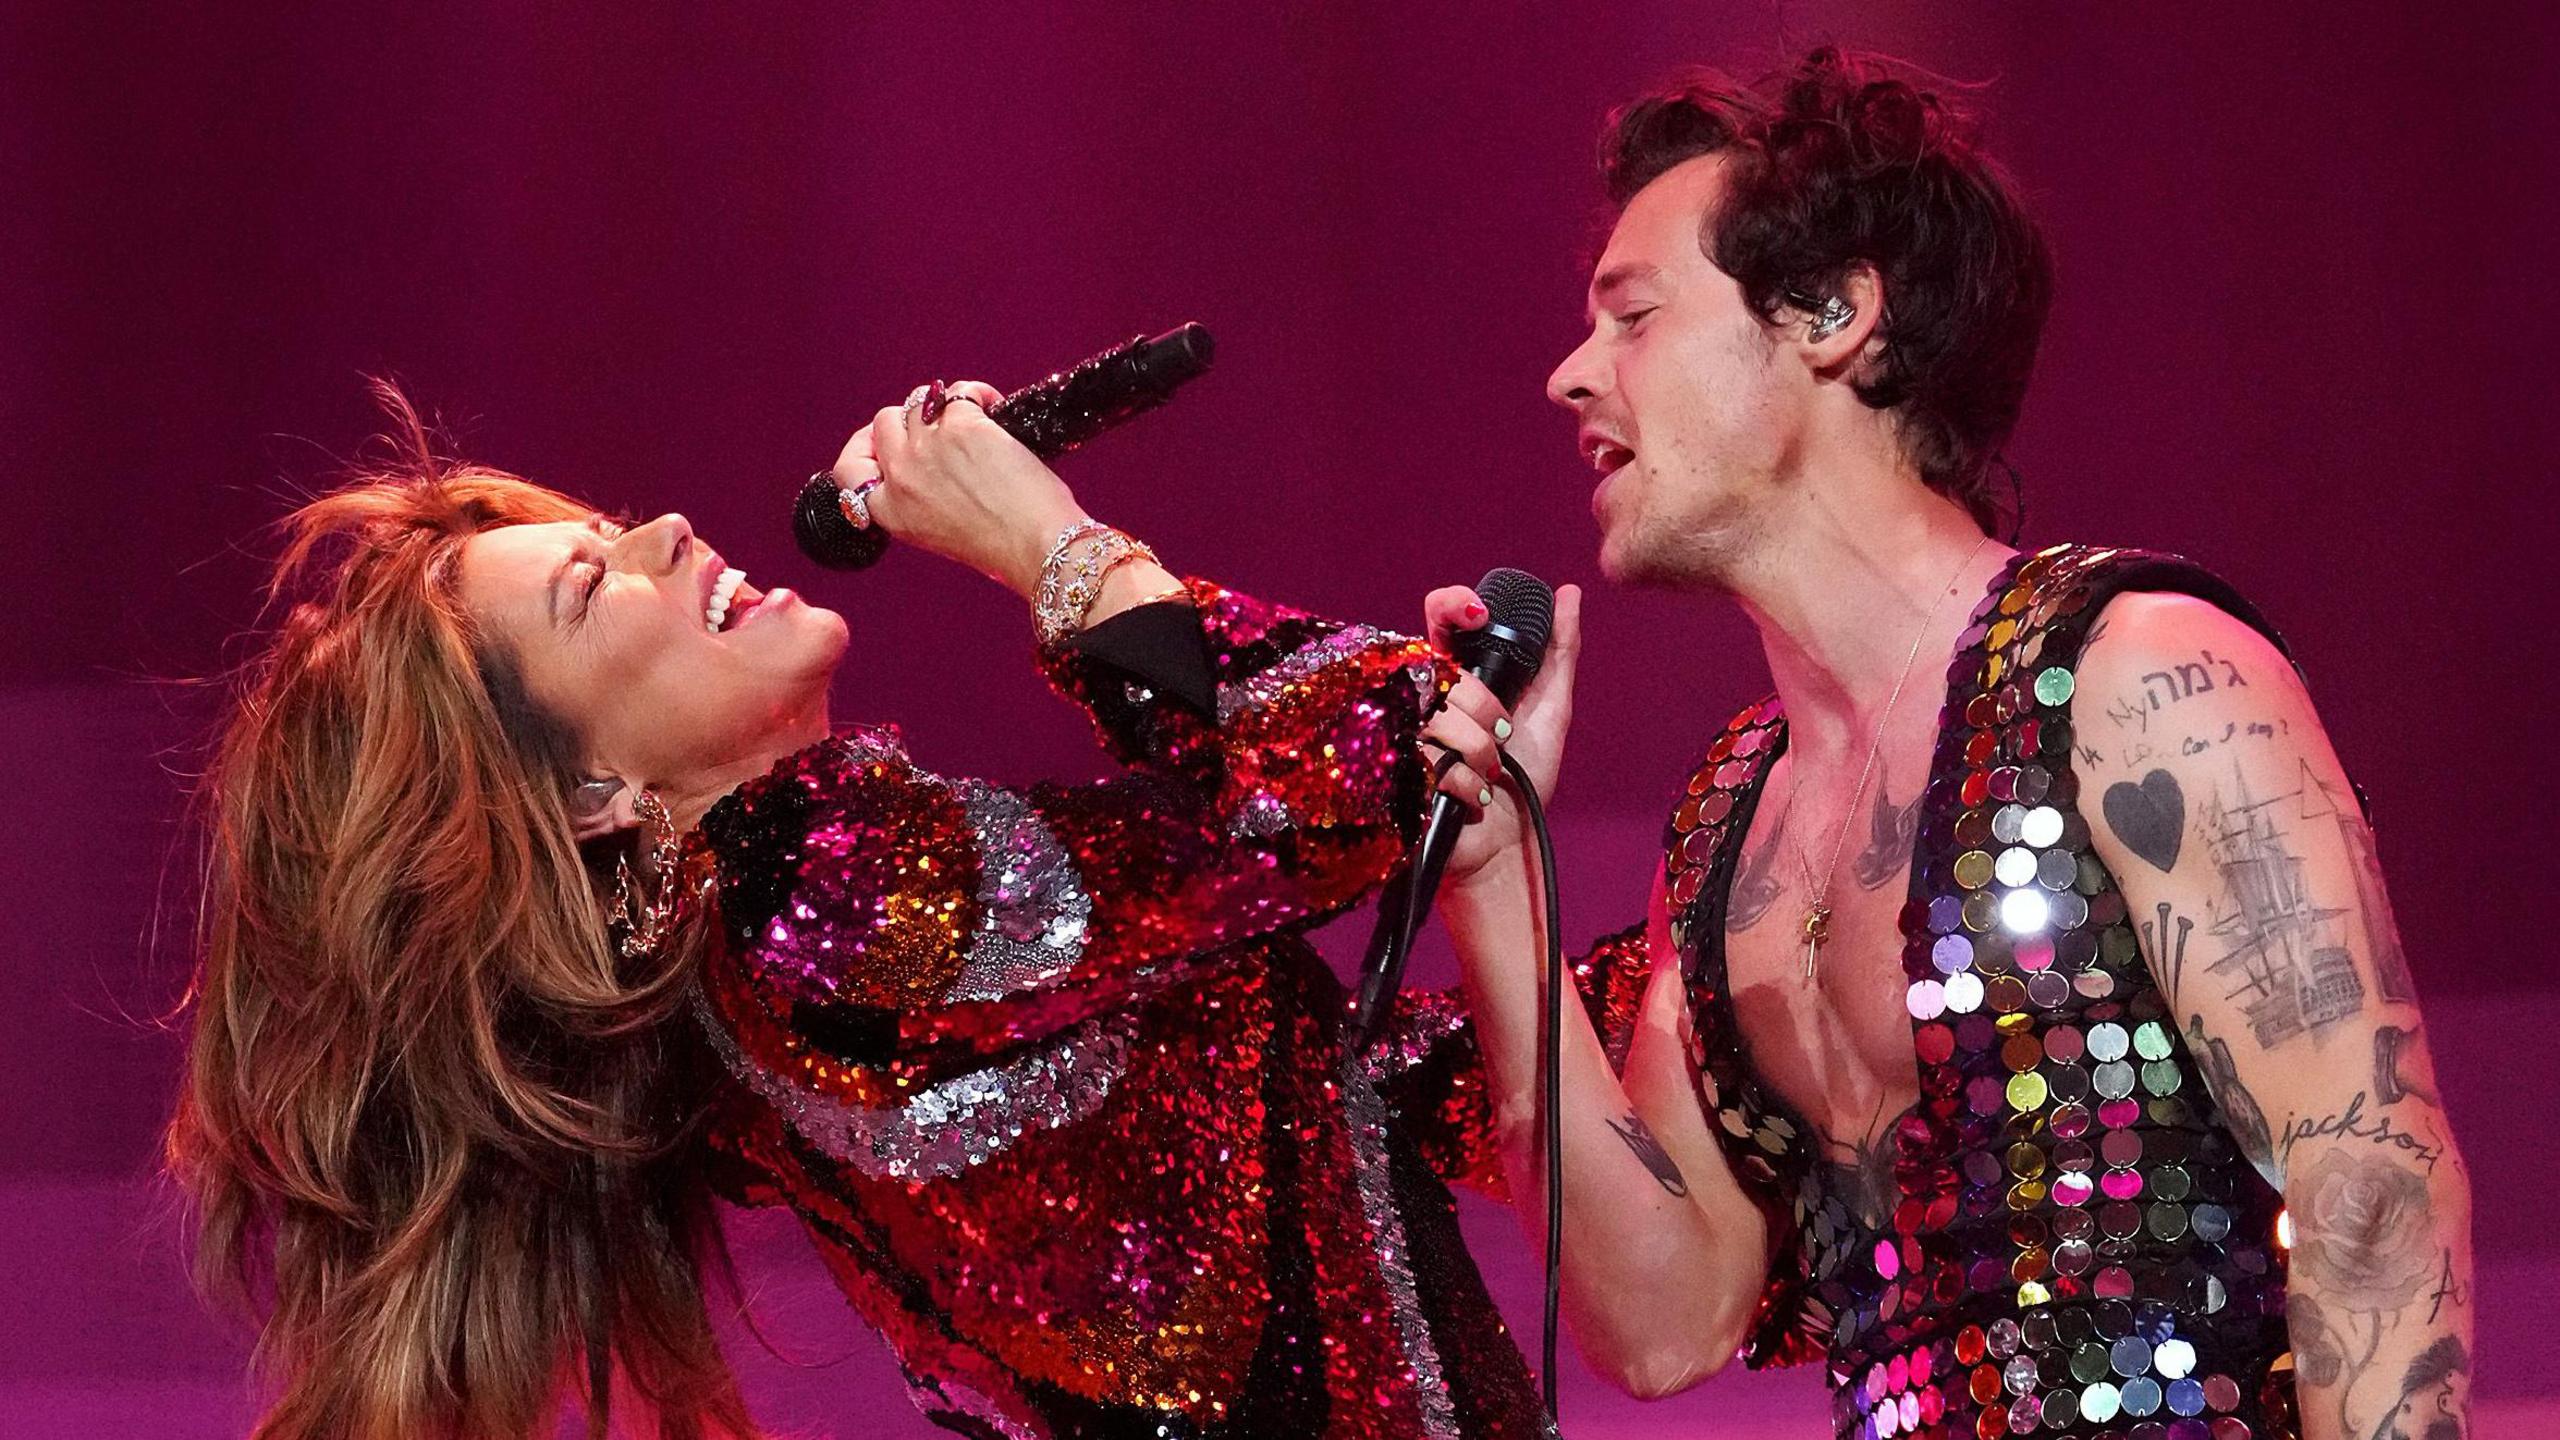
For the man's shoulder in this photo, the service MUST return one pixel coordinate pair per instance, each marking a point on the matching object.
(2144, 623)
(2144, 607)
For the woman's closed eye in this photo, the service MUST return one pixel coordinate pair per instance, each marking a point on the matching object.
(608, 528)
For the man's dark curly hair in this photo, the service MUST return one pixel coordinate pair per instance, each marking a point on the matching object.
(1842, 161)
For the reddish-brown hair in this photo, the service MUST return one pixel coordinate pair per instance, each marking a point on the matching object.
(1842, 161)
(433, 1127)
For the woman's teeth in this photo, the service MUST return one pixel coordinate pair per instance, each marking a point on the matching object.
(723, 590)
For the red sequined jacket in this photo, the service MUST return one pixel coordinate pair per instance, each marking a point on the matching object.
(1058, 1089)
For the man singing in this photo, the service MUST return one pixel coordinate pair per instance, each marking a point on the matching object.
(2019, 1024)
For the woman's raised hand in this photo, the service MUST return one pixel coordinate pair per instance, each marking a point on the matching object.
(959, 486)
(1463, 738)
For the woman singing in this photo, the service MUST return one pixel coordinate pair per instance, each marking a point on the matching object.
(544, 903)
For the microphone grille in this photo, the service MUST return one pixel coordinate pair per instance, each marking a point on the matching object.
(825, 535)
(1520, 602)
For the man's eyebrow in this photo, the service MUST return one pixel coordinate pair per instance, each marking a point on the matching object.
(1606, 285)
(595, 525)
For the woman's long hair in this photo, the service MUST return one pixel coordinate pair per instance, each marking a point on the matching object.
(433, 1127)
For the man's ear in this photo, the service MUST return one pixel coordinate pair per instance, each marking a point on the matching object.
(1839, 347)
(601, 806)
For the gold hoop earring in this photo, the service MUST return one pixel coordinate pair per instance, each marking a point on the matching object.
(645, 922)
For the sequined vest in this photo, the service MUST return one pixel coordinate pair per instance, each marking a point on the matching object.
(2077, 1248)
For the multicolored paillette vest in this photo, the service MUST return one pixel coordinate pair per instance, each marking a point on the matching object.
(2078, 1248)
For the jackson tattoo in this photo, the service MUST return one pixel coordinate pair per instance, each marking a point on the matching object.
(2353, 1123)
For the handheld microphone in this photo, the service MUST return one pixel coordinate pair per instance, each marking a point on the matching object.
(1050, 417)
(1505, 653)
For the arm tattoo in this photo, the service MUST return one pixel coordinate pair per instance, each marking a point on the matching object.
(2161, 689)
(2434, 1400)
(2377, 1305)
(2366, 1253)
(2390, 1084)
(2285, 959)
(2168, 952)
(2449, 1290)
(2150, 817)
(2352, 1123)
(2381, 929)
(2363, 1232)
(2240, 1113)
(1648, 1150)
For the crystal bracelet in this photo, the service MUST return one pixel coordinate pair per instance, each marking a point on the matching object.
(1073, 572)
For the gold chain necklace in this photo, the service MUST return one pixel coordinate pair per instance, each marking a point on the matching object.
(1817, 915)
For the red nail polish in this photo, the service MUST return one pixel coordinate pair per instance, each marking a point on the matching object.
(1475, 611)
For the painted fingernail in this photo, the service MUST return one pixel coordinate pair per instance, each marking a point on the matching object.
(1484, 796)
(1501, 729)
(1476, 610)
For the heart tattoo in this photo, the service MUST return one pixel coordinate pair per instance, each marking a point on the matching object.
(2151, 817)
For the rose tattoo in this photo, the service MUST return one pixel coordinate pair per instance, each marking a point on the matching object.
(2364, 1236)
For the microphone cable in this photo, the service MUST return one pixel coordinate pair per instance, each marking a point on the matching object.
(1405, 925)
(1551, 1078)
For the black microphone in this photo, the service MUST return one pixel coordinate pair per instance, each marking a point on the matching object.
(1050, 417)
(1505, 653)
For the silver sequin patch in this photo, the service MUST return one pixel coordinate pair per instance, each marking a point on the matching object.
(1262, 815)
(1265, 685)
(936, 1399)
(1368, 1117)
(873, 744)
(1034, 909)
(1420, 1023)
(1259, 816)
(943, 1129)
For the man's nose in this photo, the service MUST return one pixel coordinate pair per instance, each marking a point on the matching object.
(1574, 382)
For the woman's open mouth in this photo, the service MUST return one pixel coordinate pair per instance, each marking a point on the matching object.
(732, 598)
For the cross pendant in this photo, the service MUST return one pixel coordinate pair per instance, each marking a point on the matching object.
(1817, 928)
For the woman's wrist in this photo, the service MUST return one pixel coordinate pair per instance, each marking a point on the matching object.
(1500, 883)
(1082, 579)
(1031, 549)
(1490, 913)
(1140, 582)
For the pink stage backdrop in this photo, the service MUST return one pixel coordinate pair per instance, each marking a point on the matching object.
(668, 254)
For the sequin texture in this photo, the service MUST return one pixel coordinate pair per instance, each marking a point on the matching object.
(1060, 1094)
(2077, 1248)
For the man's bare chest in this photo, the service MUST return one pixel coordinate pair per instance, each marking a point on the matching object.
(1825, 1026)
